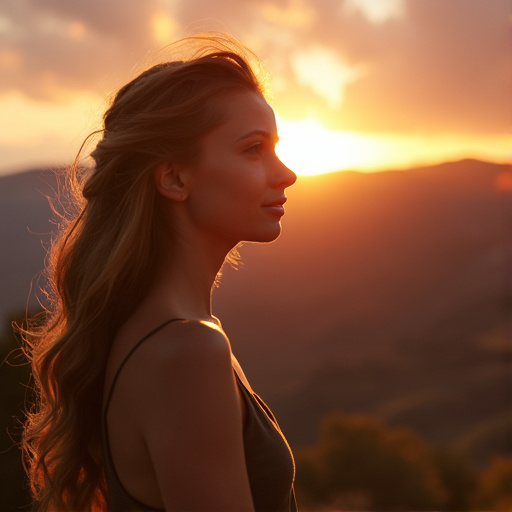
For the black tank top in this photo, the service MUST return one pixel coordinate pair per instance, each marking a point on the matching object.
(269, 460)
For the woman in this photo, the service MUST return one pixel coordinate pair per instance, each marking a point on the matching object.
(142, 405)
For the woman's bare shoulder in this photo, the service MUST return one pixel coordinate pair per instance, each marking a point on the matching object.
(180, 352)
(187, 339)
(176, 342)
(184, 362)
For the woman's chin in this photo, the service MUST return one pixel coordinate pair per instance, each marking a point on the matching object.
(267, 237)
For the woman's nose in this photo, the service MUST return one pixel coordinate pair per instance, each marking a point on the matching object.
(285, 176)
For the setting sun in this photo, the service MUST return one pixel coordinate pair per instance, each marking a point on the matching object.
(308, 148)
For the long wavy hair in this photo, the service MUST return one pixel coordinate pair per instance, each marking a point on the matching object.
(102, 262)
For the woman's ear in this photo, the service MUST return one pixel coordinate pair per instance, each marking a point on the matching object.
(168, 181)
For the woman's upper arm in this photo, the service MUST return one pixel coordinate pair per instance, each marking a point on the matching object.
(192, 425)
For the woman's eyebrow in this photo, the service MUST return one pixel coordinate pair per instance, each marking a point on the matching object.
(262, 133)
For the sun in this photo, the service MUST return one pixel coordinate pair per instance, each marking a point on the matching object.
(308, 148)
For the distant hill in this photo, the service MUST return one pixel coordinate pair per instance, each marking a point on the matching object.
(25, 231)
(388, 293)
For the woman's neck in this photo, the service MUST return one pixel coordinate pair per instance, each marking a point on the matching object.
(184, 281)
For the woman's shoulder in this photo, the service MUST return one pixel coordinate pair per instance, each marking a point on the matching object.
(169, 351)
(183, 357)
(187, 345)
(187, 338)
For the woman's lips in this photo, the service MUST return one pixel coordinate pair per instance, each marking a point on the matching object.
(278, 202)
(276, 207)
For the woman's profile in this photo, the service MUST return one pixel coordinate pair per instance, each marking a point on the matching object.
(141, 404)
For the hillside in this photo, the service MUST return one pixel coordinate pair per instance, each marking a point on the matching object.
(387, 293)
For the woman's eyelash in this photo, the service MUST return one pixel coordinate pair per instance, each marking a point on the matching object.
(255, 148)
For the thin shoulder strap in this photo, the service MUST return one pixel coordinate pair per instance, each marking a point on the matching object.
(125, 360)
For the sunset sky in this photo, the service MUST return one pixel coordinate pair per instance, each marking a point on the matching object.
(359, 84)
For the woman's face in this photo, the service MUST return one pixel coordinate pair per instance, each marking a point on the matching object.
(236, 187)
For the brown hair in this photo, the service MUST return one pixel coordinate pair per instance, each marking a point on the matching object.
(101, 264)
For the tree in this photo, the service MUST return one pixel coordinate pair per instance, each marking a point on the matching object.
(495, 486)
(458, 477)
(360, 463)
(15, 393)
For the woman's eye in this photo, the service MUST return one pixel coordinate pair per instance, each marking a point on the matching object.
(255, 149)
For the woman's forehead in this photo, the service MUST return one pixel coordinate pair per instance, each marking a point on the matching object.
(246, 113)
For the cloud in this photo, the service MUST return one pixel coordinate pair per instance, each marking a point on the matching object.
(428, 65)
(51, 47)
(297, 14)
(377, 12)
(448, 67)
(325, 71)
